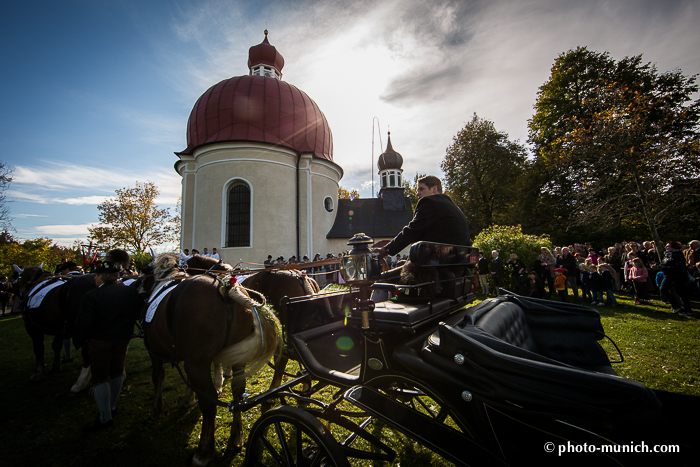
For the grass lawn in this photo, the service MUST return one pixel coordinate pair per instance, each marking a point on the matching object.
(41, 421)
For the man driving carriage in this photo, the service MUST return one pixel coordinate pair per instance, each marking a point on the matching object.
(437, 219)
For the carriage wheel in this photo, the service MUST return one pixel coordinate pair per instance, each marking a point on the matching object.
(289, 436)
(421, 399)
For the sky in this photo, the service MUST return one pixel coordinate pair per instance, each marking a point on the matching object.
(95, 95)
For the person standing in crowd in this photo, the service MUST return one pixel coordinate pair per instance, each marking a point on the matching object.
(548, 262)
(105, 324)
(586, 294)
(497, 270)
(534, 286)
(518, 272)
(4, 293)
(183, 256)
(596, 285)
(606, 284)
(640, 275)
(676, 277)
(560, 284)
(482, 268)
(693, 263)
(268, 262)
(567, 262)
(215, 255)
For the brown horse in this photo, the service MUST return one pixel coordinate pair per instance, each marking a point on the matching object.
(275, 285)
(54, 316)
(199, 323)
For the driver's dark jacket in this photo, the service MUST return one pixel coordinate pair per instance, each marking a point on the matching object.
(437, 219)
(107, 313)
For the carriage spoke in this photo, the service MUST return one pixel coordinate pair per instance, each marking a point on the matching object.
(281, 436)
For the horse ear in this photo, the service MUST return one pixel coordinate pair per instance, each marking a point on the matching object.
(17, 268)
(41, 266)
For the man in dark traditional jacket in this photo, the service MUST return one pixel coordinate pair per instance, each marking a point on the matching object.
(437, 219)
(106, 324)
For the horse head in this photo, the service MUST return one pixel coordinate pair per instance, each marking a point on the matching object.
(201, 264)
(28, 277)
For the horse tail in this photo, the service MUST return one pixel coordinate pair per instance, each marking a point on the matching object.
(254, 351)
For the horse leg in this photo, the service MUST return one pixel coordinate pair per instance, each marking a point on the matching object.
(199, 373)
(56, 346)
(218, 377)
(235, 441)
(190, 399)
(157, 375)
(280, 365)
(38, 345)
(85, 373)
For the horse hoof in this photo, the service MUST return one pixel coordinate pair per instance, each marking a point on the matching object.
(37, 377)
(188, 404)
(234, 449)
(197, 461)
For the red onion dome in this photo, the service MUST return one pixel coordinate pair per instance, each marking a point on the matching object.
(265, 110)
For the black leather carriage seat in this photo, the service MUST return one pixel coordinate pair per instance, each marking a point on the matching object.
(545, 333)
(507, 322)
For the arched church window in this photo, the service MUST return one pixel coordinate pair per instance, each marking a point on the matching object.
(328, 204)
(238, 223)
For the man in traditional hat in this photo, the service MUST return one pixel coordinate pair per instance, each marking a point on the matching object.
(106, 324)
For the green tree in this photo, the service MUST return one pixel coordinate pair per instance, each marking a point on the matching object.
(619, 140)
(410, 190)
(133, 221)
(482, 170)
(34, 252)
(511, 239)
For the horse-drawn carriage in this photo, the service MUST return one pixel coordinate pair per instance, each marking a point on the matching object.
(509, 381)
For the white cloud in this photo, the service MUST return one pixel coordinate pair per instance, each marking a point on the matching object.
(64, 230)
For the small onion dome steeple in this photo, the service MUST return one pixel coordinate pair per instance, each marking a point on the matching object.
(265, 60)
(389, 165)
(389, 159)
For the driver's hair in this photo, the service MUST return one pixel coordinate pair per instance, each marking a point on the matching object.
(431, 181)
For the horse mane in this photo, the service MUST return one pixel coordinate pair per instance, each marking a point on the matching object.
(165, 263)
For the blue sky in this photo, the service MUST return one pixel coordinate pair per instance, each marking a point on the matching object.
(96, 94)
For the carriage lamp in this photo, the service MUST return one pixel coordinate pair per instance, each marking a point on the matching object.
(360, 268)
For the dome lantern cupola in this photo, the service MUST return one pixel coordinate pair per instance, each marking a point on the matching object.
(265, 60)
(389, 165)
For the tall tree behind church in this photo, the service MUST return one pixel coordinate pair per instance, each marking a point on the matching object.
(482, 171)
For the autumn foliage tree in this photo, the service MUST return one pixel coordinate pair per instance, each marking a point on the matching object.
(133, 221)
(347, 194)
(619, 140)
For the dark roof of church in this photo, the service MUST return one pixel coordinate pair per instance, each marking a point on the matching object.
(369, 216)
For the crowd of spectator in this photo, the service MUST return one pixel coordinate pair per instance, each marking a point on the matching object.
(629, 267)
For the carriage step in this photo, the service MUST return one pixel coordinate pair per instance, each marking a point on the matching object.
(425, 430)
